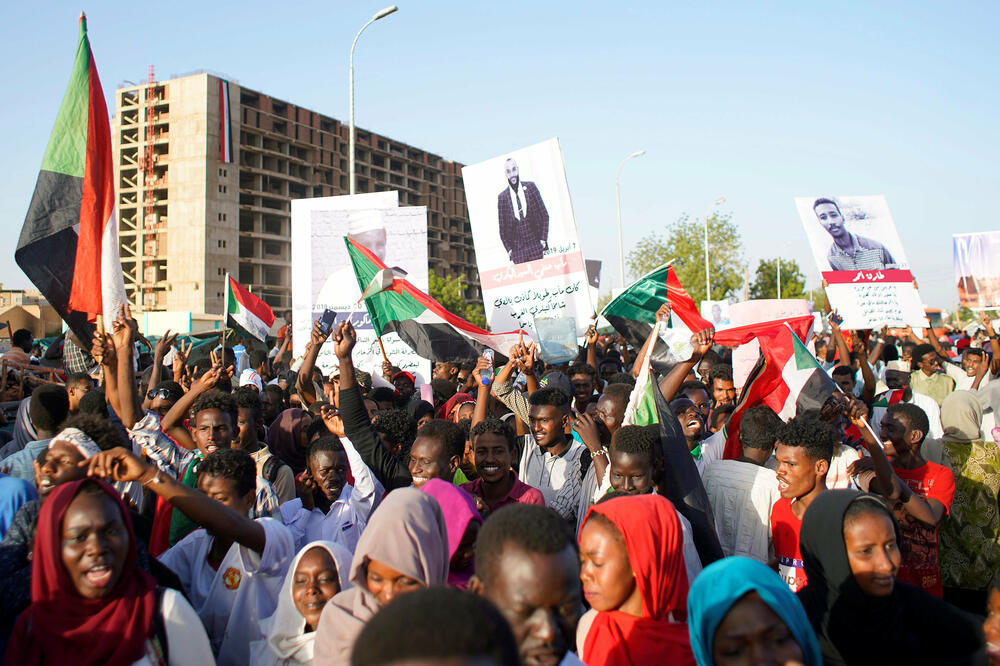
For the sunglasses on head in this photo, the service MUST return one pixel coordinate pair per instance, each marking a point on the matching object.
(159, 393)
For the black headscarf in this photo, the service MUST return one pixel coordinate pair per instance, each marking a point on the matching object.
(907, 627)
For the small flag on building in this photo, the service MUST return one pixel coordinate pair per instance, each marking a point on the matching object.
(396, 306)
(68, 246)
(246, 310)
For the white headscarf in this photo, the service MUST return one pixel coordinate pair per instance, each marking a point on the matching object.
(78, 439)
(286, 641)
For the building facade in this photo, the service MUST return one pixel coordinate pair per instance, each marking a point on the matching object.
(194, 203)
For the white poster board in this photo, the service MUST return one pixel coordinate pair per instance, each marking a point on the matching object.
(977, 269)
(322, 275)
(527, 247)
(753, 312)
(859, 254)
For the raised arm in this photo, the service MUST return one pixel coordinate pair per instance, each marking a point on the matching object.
(868, 391)
(876, 353)
(120, 465)
(482, 392)
(840, 343)
(173, 421)
(304, 382)
(590, 339)
(662, 314)
(994, 342)
(124, 336)
(702, 342)
(103, 350)
(357, 426)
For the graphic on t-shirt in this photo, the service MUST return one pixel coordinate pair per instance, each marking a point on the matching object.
(231, 578)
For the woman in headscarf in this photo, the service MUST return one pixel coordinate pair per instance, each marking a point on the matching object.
(632, 569)
(403, 548)
(287, 438)
(90, 603)
(860, 613)
(463, 522)
(739, 607)
(449, 411)
(318, 572)
(970, 538)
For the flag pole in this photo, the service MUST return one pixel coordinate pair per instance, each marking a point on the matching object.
(382, 347)
(225, 322)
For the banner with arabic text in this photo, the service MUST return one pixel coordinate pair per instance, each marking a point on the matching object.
(861, 259)
(527, 248)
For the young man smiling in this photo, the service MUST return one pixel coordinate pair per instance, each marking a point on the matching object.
(804, 448)
(497, 485)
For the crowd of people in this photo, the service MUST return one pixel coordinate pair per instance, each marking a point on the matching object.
(252, 509)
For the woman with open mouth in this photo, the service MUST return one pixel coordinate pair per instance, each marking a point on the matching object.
(90, 603)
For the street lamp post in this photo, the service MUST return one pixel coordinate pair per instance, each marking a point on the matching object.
(708, 277)
(382, 13)
(779, 270)
(618, 197)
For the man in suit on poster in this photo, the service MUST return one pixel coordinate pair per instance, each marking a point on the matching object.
(524, 221)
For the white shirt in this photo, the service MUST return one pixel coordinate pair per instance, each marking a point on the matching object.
(347, 517)
(516, 195)
(234, 598)
(186, 640)
(557, 477)
(741, 495)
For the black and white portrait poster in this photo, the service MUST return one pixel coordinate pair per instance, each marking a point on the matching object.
(530, 260)
(323, 277)
(860, 256)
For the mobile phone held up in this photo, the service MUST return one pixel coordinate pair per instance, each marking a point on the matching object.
(487, 374)
(326, 321)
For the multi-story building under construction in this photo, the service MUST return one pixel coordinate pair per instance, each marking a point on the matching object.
(195, 202)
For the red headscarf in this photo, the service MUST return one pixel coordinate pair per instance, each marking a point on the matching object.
(60, 627)
(454, 402)
(655, 544)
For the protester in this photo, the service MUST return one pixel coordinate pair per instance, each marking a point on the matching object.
(927, 377)
(743, 491)
(632, 570)
(317, 573)
(741, 612)
(436, 626)
(249, 418)
(328, 508)
(860, 612)
(804, 447)
(463, 522)
(528, 565)
(231, 570)
(47, 409)
(286, 438)
(404, 548)
(85, 585)
(970, 538)
(720, 380)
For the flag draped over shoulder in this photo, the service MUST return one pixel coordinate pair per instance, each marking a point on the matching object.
(68, 246)
(396, 306)
(246, 310)
(681, 481)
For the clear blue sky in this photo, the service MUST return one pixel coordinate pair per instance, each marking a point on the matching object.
(757, 102)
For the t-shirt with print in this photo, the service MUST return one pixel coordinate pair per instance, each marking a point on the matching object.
(785, 529)
(919, 549)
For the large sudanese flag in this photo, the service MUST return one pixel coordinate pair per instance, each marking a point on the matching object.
(68, 246)
(246, 310)
(396, 306)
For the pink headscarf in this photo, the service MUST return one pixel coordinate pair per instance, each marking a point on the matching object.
(459, 510)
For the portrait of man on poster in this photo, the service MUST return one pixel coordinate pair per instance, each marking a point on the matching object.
(524, 221)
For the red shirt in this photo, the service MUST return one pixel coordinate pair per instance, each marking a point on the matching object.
(919, 566)
(520, 493)
(785, 528)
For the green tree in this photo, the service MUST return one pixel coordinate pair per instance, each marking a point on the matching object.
(765, 281)
(684, 244)
(449, 291)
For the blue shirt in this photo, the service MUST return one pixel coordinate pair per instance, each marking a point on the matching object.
(13, 494)
(19, 464)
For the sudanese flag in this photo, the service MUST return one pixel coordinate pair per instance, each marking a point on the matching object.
(68, 246)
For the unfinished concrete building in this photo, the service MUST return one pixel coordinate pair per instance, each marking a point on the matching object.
(195, 203)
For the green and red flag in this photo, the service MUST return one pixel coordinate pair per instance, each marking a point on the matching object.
(246, 310)
(396, 306)
(68, 246)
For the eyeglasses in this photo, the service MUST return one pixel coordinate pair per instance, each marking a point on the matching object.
(159, 393)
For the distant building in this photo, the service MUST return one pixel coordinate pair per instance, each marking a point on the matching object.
(14, 297)
(187, 215)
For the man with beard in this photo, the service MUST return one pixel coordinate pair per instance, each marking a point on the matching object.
(524, 221)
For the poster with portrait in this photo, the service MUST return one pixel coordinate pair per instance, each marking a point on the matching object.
(716, 312)
(527, 248)
(322, 275)
(860, 256)
(977, 269)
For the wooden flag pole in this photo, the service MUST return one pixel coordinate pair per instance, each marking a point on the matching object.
(382, 347)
